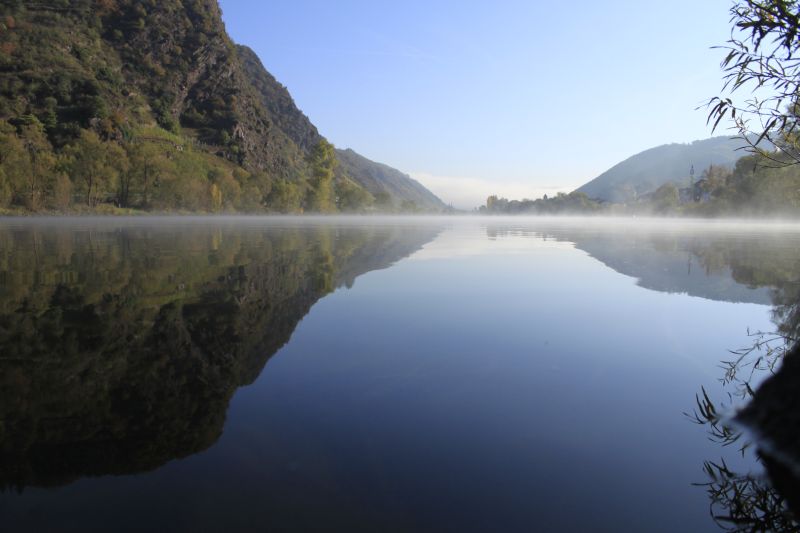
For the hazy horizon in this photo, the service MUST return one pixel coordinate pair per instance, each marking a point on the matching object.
(472, 100)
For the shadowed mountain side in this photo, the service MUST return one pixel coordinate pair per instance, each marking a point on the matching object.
(119, 354)
(378, 178)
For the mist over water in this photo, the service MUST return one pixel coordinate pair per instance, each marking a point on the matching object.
(374, 373)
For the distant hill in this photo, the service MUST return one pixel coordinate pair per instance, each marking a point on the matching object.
(648, 170)
(379, 178)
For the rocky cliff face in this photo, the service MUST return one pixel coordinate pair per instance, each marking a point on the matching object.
(278, 102)
(201, 81)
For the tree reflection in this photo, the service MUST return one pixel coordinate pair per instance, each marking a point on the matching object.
(751, 501)
(745, 502)
(766, 417)
(121, 348)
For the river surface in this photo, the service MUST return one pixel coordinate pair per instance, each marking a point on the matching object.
(374, 374)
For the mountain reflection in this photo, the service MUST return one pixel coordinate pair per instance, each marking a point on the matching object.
(762, 381)
(121, 346)
(753, 268)
(730, 266)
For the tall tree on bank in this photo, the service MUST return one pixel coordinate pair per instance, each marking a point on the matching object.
(762, 62)
(26, 164)
(148, 164)
(96, 166)
(322, 163)
(40, 164)
(13, 164)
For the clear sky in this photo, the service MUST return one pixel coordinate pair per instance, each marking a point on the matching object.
(516, 97)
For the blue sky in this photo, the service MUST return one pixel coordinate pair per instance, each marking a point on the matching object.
(514, 97)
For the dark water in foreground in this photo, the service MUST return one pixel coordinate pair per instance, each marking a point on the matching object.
(373, 375)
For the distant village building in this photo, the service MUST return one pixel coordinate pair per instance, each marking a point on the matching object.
(700, 192)
(686, 194)
(696, 192)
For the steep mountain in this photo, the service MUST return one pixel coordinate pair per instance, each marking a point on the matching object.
(648, 170)
(378, 178)
(193, 114)
(278, 103)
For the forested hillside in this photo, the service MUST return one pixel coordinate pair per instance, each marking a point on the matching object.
(150, 105)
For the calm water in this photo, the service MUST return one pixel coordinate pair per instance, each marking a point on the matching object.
(372, 375)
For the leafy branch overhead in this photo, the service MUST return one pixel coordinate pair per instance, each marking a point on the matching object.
(762, 59)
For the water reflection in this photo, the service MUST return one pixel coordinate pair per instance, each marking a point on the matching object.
(761, 381)
(448, 393)
(121, 346)
(722, 264)
(767, 425)
(760, 412)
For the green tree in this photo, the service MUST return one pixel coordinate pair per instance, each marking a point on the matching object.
(27, 164)
(284, 197)
(149, 163)
(255, 192)
(383, 201)
(322, 163)
(666, 198)
(187, 187)
(60, 192)
(714, 179)
(351, 197)
(215, 194)
(761, 187)
(95, 166)
(230, 189)
(409, 206)
(42, 164)
(6, 191)
(13, 164)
